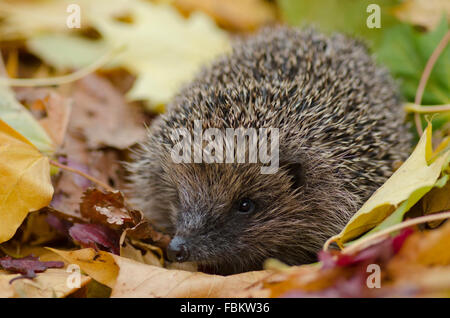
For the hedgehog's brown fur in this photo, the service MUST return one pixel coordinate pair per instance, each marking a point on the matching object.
(340, 124)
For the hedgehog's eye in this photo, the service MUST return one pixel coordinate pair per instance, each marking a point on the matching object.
(246, 206)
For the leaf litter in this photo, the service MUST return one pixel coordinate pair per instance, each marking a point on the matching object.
(114, 245)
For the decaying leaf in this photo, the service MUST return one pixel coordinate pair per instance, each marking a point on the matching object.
(92, 235)
(110, 209)
(24, 179)
(105, 208)
(27, 266)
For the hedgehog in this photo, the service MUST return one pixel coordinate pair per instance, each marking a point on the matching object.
(341, 132)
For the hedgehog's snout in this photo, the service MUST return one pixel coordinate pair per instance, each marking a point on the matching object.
(178, 250)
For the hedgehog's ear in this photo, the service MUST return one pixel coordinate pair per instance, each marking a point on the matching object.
(296, 171)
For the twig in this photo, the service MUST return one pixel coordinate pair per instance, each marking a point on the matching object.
(81, 173)
(427, 218)
(58, 80)
(413, 108)
(424, 78)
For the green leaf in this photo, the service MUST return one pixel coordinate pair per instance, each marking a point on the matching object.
(19, 118)
(66, 51)
(347, 16)
(406, 51)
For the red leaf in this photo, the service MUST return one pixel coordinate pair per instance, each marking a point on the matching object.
(27, 266)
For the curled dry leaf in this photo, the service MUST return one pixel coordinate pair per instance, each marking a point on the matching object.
(92, 235)
(105, 208)
(110, 208)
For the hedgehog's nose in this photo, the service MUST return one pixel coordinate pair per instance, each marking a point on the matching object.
(177, 250)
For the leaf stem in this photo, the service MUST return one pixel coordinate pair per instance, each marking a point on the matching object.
(81, 173)
(414, 108)
(424, 78)
(58, 80)
(427, 218)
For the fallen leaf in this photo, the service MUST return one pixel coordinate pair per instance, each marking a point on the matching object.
(111, 210)
(426, 248)
(99, 265)
(24, 179)
(105, 208)
(426, 13)
(19, 118)
(58, 114)
(92, 235)
(27, 266)
(101, 110)
(237, 15)
(50, 284)
(410, 182)
(141, 255)
(405, 51)
(163, 59)
(140, 280)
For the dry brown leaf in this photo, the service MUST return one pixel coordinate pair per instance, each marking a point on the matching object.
(146, 256)
(110, 209)
(237, 15)
(103, 116)
(140, 280)
(106, 208)
(437, 200)
(426, 13)
(58, 113)
(425, 249)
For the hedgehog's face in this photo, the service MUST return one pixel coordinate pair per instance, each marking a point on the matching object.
(230, 217)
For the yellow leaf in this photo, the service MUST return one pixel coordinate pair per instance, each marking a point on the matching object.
(411, 181)
(164, 58)
(99, 265)
(49, 284)
(24, 180)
